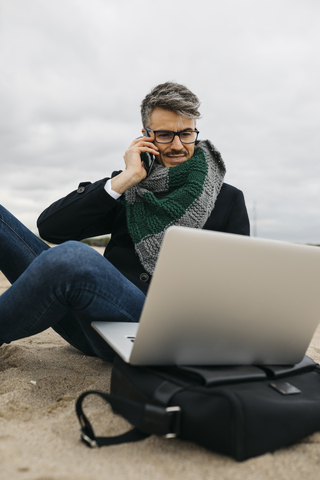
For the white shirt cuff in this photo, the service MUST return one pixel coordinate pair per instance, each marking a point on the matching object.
(109, 190)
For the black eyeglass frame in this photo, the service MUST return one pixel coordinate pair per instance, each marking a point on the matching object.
(174, 134)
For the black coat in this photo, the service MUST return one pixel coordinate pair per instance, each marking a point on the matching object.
(90, 211)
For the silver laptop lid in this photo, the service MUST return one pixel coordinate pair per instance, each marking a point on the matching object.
(227, 299)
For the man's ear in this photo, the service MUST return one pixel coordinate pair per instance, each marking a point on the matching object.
(143, 131)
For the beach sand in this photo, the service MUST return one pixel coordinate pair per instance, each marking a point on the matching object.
(41, 377)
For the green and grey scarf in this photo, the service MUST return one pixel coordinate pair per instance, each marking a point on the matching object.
(183, 195)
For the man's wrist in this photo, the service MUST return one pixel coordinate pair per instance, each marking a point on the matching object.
(125, 180)
(108, 189)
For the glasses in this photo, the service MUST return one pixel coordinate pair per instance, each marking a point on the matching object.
(165, 136)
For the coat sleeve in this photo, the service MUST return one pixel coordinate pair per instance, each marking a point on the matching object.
(86, 212)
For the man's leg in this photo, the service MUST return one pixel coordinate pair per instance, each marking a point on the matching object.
(69, 279)
(18, 246)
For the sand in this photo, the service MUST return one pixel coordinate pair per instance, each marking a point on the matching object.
(41, 377)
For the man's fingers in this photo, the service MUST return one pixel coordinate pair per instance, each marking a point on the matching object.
(149, 149)
(141, 145)
(143, 140)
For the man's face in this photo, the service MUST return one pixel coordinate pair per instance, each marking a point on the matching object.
(174, 153)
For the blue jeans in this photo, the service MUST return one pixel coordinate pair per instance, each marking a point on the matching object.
(65, 287)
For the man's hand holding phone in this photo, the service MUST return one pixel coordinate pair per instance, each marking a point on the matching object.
(135, 167)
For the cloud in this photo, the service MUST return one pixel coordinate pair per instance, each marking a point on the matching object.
(74, 74)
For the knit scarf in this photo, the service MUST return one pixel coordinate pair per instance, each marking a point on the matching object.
(183, 195)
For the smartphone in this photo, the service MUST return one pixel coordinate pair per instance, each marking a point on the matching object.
(147, 158)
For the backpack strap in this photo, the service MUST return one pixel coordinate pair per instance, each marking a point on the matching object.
(147, 419)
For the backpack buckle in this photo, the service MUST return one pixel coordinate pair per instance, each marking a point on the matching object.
(175, 421)
(163, 421)
(89, 441)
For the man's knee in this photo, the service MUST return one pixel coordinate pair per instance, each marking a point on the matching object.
(3, 212)
(70, 259)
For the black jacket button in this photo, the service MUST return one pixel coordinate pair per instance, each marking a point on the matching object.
(144, 277)
(81, 190)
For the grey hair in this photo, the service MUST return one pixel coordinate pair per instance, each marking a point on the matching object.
(170, 96)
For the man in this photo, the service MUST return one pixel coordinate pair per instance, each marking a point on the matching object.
(170, 178)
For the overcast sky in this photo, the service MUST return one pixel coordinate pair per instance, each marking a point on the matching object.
(74, 72)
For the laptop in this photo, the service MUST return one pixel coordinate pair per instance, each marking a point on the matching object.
(223, 299)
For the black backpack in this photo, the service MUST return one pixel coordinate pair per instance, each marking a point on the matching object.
(237, 411)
